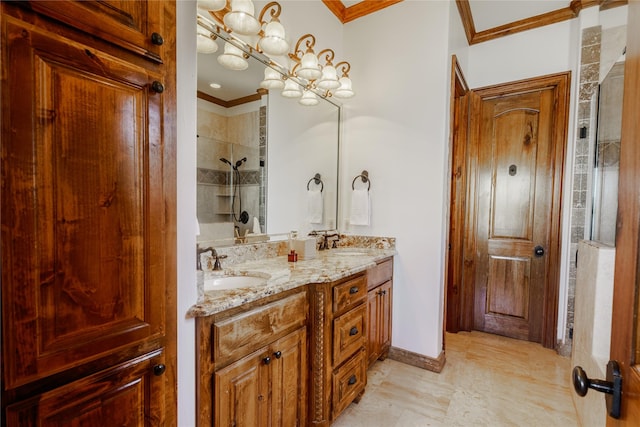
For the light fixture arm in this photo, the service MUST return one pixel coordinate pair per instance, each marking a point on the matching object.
(274, 10)
(310, 43)
(346, 67)
(330, 55)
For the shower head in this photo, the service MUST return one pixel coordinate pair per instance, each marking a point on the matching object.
(240, 162)
(223, 160)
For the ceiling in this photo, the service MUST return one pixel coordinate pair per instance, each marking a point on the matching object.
(483, 20)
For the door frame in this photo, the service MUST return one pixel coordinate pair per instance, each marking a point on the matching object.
(461, 253)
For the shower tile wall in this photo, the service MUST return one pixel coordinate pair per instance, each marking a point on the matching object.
(232, 138)
(589, 77)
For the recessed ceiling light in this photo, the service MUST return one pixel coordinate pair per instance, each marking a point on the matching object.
(215, 85)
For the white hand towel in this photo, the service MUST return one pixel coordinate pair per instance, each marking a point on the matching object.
(360, 207)
(314, 206)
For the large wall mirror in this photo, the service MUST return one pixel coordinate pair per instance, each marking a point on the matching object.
(262, 158)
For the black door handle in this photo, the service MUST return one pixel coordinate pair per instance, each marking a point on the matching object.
(538, 251)
(612, 387)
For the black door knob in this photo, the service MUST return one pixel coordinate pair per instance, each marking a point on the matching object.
(159, 369)
(157, 87)
(278, 354)
(612, 387)
(538, 251)
(353, 331)
(157, 39)
(266, 360)
(352, 380)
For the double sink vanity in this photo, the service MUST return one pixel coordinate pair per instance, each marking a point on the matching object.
(289, 343)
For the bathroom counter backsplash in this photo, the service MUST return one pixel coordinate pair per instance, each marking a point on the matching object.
(269, 261)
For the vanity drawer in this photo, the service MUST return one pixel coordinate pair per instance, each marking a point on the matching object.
(349, 333)
(349, 293)
(348, 382)
(239, 335)
(380, 273)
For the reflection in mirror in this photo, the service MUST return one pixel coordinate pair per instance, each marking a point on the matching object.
(607, 156)
(257, 152)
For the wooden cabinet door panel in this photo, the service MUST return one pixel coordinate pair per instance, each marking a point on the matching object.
(83, 217)
(386, 304)
(128, 24)
(241, 392)
(289, 380)
(120, 396)
(373, 343)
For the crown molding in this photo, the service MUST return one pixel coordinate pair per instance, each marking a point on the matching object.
(358, 10)
(555, 16)
(233, 102)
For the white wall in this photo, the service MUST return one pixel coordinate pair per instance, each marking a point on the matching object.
(395, 128)
(186, 206)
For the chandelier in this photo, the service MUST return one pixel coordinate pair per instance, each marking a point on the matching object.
(301, 73)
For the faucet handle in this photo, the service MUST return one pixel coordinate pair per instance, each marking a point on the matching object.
(216, 265)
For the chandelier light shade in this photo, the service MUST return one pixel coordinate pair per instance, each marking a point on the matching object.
(329, 79)
(272, 79)
(309, 98)
(241, 20)
(309, 67)
(205, 44)
(345, 90)
(211, 5)
(233, 58)
(291, 89)
(273, 40)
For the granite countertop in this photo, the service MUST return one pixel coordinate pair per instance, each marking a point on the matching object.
(281, 275)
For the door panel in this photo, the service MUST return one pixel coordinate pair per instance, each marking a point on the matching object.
(128, 24)
(625, 327)
(83, 213)
(515, 159)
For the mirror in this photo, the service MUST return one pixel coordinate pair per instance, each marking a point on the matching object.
(262, 158)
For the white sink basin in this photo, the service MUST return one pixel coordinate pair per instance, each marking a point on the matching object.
(232, 282)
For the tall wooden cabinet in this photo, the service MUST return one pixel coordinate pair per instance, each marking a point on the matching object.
(88, 213)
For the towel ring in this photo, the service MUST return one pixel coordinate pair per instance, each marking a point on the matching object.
(365, 178)
(317, 180)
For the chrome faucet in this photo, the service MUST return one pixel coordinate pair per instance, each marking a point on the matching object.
(216, 265)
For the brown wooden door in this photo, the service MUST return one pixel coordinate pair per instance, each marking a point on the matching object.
(516, 154)
(625, 328)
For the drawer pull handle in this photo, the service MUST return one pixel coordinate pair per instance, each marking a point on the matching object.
(278, 354)
(353, 290)
(266, 360)
(352, 380)
(159, 369)
(353, 331)
(157, 87)
(157, 39)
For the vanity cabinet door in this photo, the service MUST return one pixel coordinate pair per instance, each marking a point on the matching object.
(241, 392)
(289, 380)
(265, 388)
(379, 311)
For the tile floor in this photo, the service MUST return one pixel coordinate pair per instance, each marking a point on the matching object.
(487, 380)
